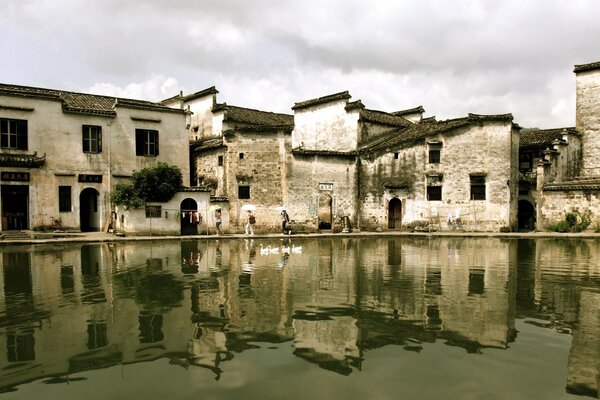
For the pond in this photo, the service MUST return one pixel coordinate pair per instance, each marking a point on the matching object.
(335, 318)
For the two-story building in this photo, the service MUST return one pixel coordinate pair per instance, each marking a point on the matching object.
(62, 152)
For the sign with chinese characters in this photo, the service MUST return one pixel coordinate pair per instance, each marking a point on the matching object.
(15, 176)
(90, 178)
(325, 186)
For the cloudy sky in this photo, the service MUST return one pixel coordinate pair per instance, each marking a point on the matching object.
(452, 57)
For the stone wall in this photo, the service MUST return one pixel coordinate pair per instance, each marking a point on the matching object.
(555, 204)
(488, 149)
(315, 176)
(588, 119)
(263, 168)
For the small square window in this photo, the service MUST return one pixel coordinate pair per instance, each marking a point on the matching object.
(477, 187)
(241, 156)
(220, 161)
(153, 211)
(243, 192)
(146, 142)
(92, 138)
(13, 134)
(396, 155)
(434, 193)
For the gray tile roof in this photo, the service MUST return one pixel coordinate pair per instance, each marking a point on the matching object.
(322, 100)
(542, 137)
(82, 102)
(413, 133)
(207, 144)
(380, 117)
(582, 183)
(249, 116)
(587, 67)
(415, 110)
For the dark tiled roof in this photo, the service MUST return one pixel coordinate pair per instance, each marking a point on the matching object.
(219, 199)
(542, 137)
(381, 117)
(303, 152)
(428, 119)
(197, 95)
(83, 102)
(322, 100)
(201, 188)
(354, 105)
(207, 144)
(22, 160)
(413, 133)
(582, 183)
(587, 67)
(415, 110)
(253, 117)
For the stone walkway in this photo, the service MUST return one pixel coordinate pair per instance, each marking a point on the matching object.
(101, 237)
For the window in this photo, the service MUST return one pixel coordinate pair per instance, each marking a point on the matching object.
(97, 336)
(220, 161)
(92, 138)
(146, 142)
(434, 193)
(241, 156)
(150, 327)
(243, 192)
(396, 155)
(435, 150)
(525, 163)
(13, 134)
(20, 347)
(477, 187)
(153, 211)
(64, 198)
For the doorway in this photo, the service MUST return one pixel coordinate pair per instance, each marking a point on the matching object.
(526, 216)
(189, 217)
(15, 207)
(89, 213)
(325, 213)
(395, 213)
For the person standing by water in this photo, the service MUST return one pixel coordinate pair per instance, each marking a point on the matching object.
(218, 221)
(285, 219)
(250, 223)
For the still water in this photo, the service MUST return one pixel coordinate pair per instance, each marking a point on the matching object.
(385, 318)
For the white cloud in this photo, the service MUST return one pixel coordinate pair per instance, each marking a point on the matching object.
(156, 88)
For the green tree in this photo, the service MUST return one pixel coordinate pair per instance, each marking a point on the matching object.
(158, 183)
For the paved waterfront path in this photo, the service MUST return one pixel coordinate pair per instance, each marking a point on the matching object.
(100, 237)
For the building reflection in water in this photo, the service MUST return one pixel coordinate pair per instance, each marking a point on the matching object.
(199, 303)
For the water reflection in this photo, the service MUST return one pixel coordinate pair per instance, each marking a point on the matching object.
(333, 303)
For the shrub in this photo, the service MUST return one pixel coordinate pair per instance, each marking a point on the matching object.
(573, 222)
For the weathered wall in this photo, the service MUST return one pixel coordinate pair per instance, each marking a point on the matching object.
(134, 221)
(263, 168)
(58, 135)
(554, 204)
(588, 119)
(326, 127)
(488, 148)
(304, 175)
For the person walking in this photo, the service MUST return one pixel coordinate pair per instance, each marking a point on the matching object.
(250, 223)
(218, 221)
(285, 219)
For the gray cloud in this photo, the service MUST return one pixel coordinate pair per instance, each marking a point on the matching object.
(451, 57)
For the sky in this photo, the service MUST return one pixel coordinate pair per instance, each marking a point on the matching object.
(451, 57)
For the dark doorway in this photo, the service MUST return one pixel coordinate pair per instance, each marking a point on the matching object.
(526, 215)
(15, 207)
(89, 211)
(395, 214)
(325, 214)
(189, 220)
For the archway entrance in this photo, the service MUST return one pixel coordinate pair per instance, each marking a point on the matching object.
(189, 217)
(89, 212)
(325, 214)
(15, 204)
(395, 213)
(526, 215)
